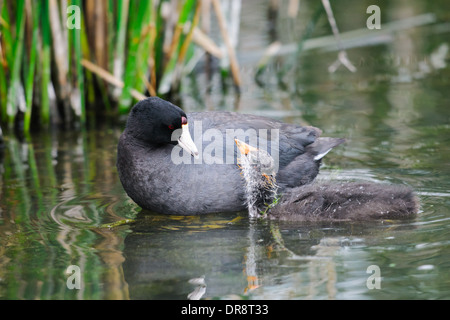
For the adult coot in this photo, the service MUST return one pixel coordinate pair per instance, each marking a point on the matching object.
(334, 201)
(158, 175)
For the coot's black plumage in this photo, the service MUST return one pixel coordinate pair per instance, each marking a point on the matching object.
(152, 179)
(331, 201)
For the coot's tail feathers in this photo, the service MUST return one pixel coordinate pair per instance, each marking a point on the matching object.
(347, 201)
(322, 146)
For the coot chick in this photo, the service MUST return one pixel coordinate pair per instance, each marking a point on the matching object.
(152, 175)
(334, 201)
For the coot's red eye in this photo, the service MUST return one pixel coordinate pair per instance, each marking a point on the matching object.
(183, 120)
(171, 127)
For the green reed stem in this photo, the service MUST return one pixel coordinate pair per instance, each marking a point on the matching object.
(3, 92)
(177, 43)
(31, 67)
(46, 63)
(136, 26)
(11, 102)
(119, 52)
(3, 88)
(76, 42)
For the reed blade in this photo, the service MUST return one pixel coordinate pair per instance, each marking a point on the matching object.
(45, 63)
(142, 10)
(79, 94)
(34, 7)
(13, 91)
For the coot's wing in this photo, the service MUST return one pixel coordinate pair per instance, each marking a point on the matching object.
(289, 139)
(304, 168)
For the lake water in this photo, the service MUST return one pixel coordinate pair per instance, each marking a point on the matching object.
(60, 190)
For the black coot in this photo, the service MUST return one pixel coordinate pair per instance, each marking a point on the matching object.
(332, 201)
(158, 176)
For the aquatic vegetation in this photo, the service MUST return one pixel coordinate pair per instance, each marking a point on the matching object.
(62, 62)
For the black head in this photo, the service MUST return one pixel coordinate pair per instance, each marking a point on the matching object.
(156, 121)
